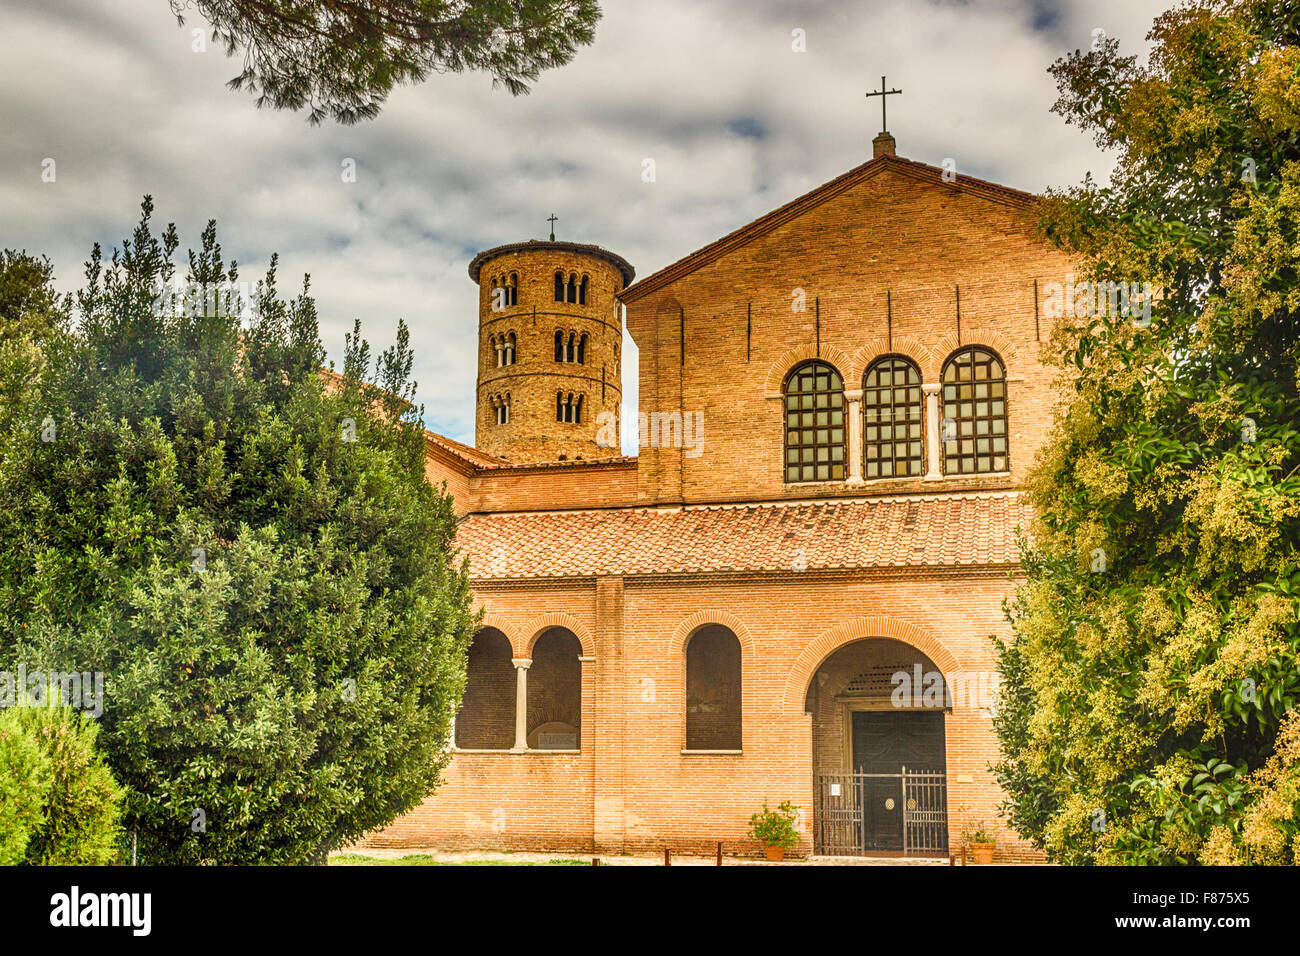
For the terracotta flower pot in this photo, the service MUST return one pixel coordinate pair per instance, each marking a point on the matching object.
(982, 852)
(776, 853)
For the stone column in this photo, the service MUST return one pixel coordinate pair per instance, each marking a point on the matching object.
(854, 398)
(521, 703)
(932, 471)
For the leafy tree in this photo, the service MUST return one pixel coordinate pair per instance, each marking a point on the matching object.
(342, 59)
(1151, 684)
(26, 777)
(29, 306)
(81, 806)
(250, 554)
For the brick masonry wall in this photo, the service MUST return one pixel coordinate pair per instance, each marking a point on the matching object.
(581, 485)
(889, 246)
(633, 714)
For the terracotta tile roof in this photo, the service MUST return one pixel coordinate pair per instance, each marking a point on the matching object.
(618, 461)
(533, 245)
(929, 531)
(480, 459)
(922, 172)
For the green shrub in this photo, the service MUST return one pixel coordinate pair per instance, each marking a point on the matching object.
(776, 827)
(83, 807)
(26, 778)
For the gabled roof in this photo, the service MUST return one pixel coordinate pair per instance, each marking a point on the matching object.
(961, 530)
(462, 452)
(922, 172)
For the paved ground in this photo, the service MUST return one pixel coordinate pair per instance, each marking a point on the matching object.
(488, 856)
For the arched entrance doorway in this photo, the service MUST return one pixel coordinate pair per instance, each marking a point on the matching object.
(879, 711)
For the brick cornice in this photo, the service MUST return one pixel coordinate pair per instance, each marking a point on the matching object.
(811, 576)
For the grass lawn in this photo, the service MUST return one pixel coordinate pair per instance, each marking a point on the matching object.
(423, 859)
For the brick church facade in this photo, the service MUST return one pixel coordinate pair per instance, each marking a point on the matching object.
(789, 593)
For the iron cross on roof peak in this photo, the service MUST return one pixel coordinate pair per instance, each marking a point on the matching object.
(883, 92)
(552, 220)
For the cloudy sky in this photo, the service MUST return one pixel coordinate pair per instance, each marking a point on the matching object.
(736, 121)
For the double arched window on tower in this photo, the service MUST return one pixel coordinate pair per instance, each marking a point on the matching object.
(505, 290)
(501, 408)
(504, 346)
(568, 407)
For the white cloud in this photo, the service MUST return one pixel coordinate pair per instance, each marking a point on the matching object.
(736, 121)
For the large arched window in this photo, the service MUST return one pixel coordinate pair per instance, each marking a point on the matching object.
(814, 424)
(891, 419)
(555, 692)
(713, 689)
(486, 720)
(975, 412)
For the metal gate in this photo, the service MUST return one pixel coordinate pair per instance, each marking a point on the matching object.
(842, 828)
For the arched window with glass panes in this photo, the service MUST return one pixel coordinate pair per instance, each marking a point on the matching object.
(892, 416)
(974, 428)
(814, 423)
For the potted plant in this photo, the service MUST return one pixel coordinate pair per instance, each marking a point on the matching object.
(980, 840)
(777, 829)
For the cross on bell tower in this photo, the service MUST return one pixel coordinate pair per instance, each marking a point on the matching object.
(883, 144)
(552, 220)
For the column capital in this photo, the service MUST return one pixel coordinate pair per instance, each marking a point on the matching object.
(931, 388)
(586, 660)
(523, 663)
(853, 394)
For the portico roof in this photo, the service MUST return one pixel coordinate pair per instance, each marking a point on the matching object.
(900, 532)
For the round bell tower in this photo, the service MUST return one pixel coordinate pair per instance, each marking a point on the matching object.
(550, 350)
